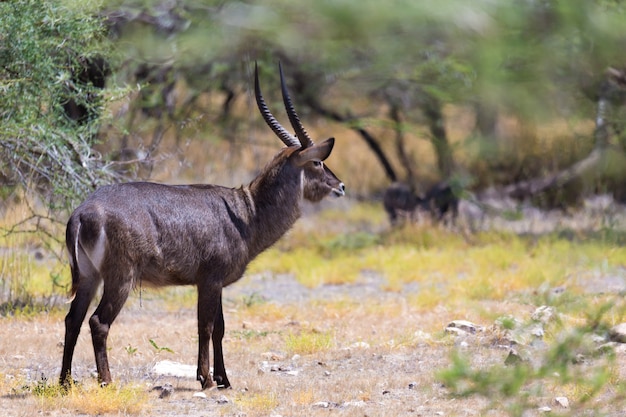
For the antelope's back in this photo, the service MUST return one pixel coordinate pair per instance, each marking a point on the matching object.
(167, 234)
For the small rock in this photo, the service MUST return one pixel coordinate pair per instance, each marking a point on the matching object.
(175, 369)
(326, 373)
(455, 331)
(618, 333)
(562, 401)
(513, 358)
(544, 409)
(544, 314)
(222, 400)
(537, 331)
(412, 385)
(321, 404)
(466, 326)
(166, 391)
(385, 392)
(286, 370)
(199, 394)
(598, 339)
(272, 356)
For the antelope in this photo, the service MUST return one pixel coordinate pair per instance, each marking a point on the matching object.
(400, 199)
(440, 199)
(142, 233)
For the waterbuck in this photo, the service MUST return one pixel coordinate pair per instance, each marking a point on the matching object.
(149, 234)
(401, 199)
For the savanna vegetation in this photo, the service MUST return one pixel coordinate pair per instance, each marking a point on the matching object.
(518, 105)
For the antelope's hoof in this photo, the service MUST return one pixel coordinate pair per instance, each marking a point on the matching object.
(222, 383)
(205, 382)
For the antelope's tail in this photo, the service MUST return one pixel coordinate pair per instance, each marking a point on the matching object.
(71, 239)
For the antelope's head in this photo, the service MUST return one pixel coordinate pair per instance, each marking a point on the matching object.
(318, 180)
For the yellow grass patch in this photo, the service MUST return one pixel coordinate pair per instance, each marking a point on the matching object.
(94, 400)
(306, 342)
(257, 403)
(267, 312)
(89, 399)
(308, 266)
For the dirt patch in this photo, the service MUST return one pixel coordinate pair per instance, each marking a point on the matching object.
(382, 357)
(284, 289)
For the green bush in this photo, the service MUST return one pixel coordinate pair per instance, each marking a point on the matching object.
(45, 46)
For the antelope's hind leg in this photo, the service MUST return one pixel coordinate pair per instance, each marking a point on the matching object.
(113, 299)
(73, 321)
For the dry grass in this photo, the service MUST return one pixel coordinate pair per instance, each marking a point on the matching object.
(94, 400)
(353, 326)
(307, 342)
(307, 358)
(49, 398)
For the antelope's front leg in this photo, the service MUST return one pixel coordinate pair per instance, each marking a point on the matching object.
(219, 371)
(209, 296)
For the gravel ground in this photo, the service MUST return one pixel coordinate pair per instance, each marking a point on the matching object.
(383, 359)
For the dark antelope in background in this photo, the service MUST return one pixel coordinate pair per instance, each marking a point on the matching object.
(401, 200)
(204, 235)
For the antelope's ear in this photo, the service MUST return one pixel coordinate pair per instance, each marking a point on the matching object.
(316, 152)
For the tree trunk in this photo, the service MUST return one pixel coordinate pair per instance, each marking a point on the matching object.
(370, 140)
(433, 112)
(405, 160)
(607, 92)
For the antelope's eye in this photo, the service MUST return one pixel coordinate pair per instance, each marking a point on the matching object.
(317, 163)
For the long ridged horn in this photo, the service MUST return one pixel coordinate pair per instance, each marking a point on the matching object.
(282, 133)
(301, 134)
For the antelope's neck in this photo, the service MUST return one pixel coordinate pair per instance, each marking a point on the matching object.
(275, 207)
